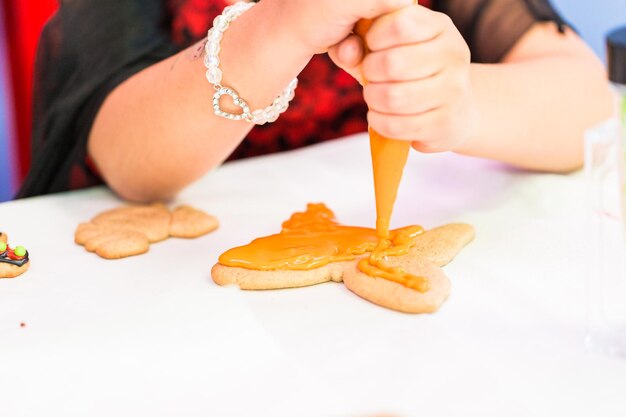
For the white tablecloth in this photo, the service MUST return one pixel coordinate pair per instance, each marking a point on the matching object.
(154, 336)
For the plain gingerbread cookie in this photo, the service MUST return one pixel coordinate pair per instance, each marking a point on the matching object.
(129, 230)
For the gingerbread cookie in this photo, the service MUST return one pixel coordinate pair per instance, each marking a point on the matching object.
(13, 262)
(430, 250)
(3, 237)
(129, 231)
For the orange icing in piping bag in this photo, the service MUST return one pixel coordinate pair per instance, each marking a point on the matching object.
(389, 158)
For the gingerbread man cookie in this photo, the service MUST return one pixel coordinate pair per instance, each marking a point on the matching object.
(129, 230)
(429, 251)
(13, 262)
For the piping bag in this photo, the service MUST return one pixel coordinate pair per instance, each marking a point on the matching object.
(389, 157)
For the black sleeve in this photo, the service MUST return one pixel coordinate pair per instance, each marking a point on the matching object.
(492, 27)
(85, 51)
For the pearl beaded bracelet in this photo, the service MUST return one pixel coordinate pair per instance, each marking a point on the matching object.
(214, 74)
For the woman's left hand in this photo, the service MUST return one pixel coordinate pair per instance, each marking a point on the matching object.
(418, 78)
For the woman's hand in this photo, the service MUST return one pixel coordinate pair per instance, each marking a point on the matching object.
(320, 24)
(418, 78)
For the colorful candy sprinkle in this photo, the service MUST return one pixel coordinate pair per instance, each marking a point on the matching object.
(20, 251)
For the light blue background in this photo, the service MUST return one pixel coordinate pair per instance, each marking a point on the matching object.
(592, 18)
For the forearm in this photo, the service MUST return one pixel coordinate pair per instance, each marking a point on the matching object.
(533, 113)
(156, 132)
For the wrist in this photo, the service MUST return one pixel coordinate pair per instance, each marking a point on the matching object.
(214, 75)
(280, 24)
(476, 126)
(258, 57)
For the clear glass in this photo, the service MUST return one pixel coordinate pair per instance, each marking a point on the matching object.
(606, 238)
(621, 92)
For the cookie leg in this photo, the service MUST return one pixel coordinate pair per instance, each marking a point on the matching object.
(397, 297)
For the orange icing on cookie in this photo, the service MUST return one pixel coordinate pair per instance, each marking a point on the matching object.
(314, 238)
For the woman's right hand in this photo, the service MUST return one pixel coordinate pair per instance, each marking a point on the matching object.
(320, 24)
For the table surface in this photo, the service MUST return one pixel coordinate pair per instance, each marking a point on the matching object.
(154, 336)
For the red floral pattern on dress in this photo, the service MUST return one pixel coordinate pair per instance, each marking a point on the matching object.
(192, 18)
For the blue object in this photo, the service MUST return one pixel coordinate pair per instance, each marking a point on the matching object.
(7, 180)
(593, 19)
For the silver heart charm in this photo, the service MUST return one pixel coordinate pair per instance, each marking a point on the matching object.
(246, 115)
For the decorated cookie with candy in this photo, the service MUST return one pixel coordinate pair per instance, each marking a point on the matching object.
(13, 261)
